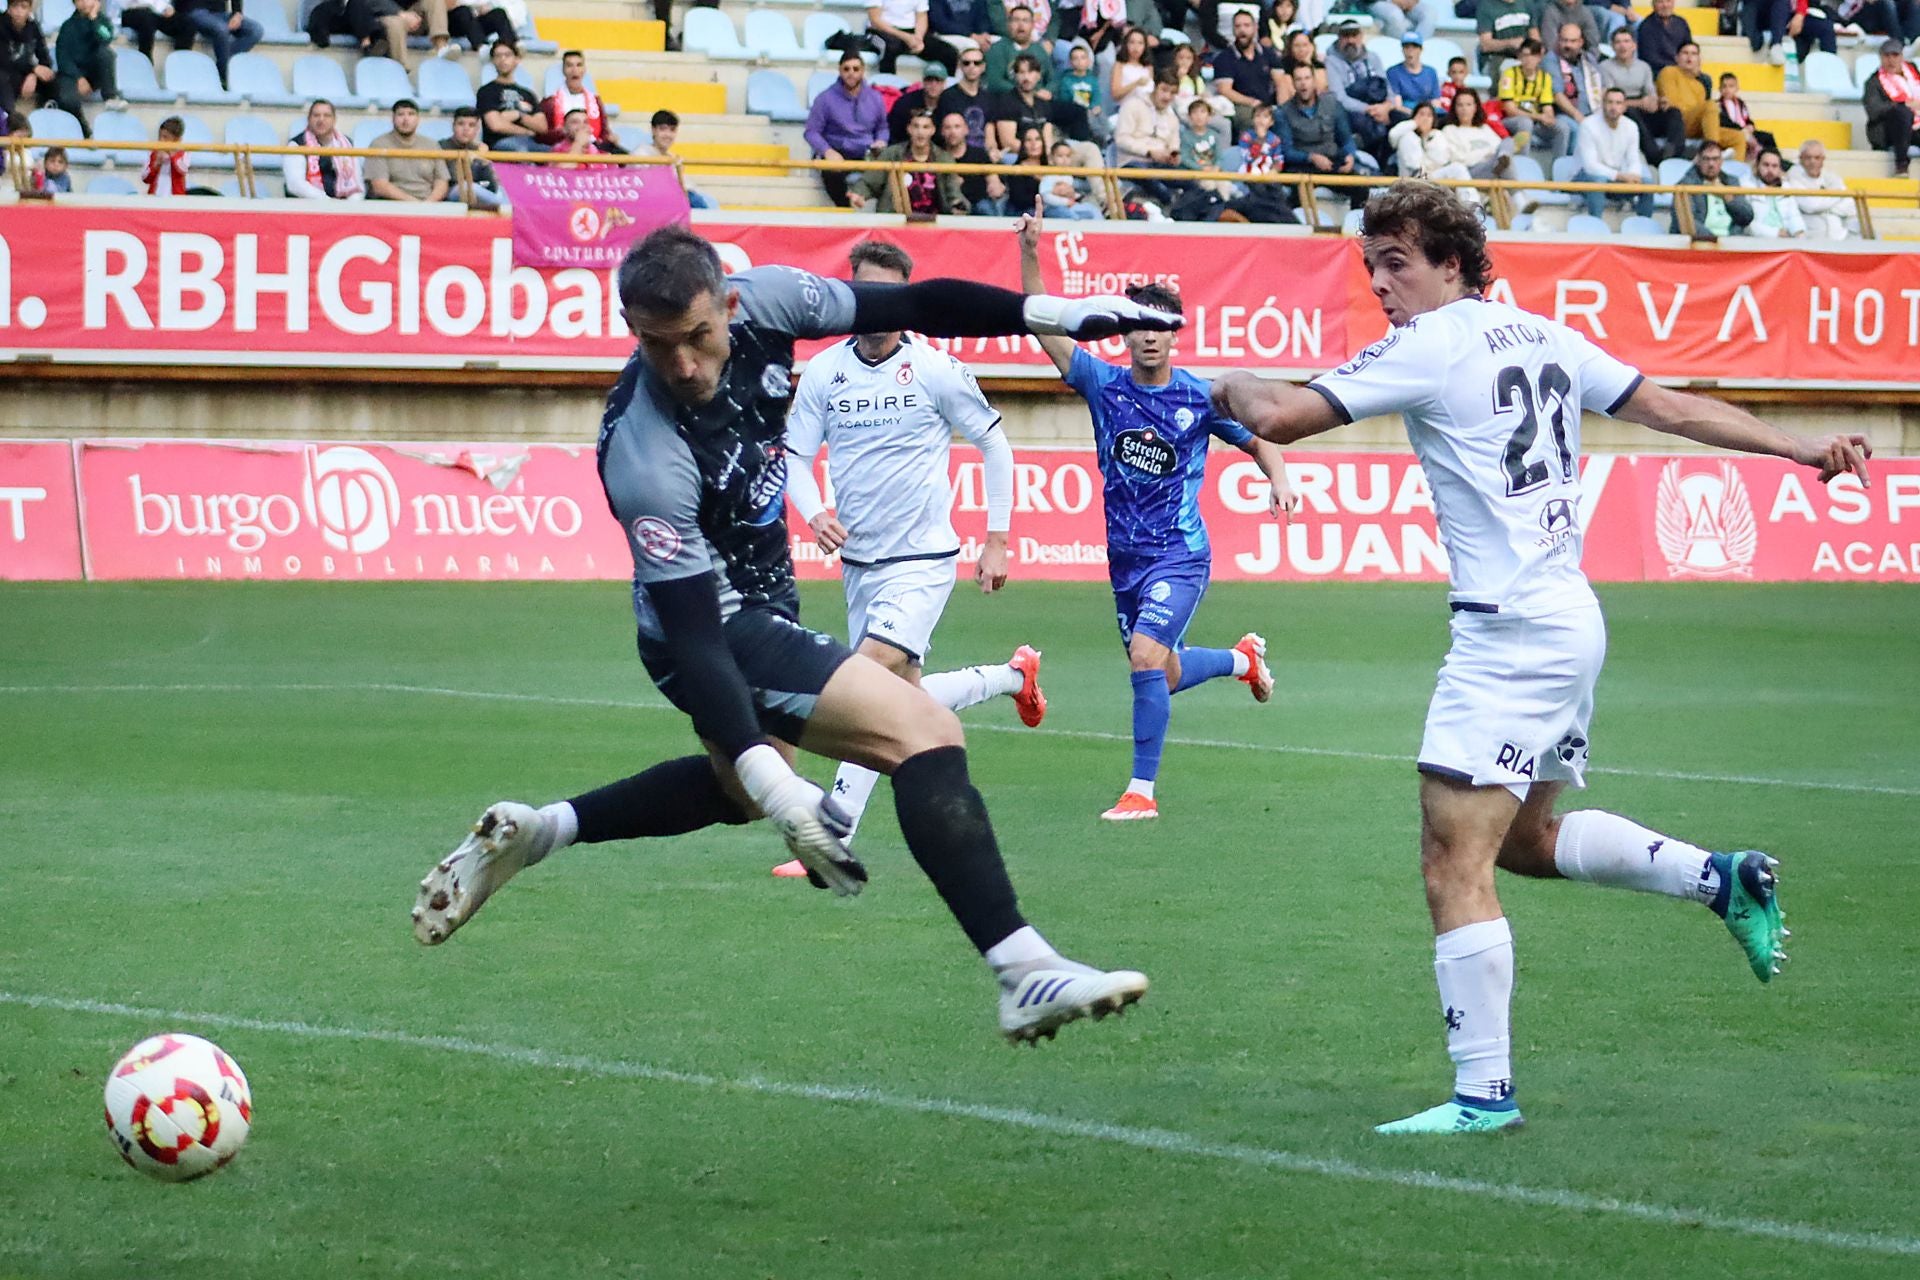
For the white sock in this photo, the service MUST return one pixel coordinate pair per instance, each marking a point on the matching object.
(1023, 946)
(1142, 786)
(564, 825)
(852, 789)
(1474, 968)
(1241, 663)
(1602, 848)
(968, 686)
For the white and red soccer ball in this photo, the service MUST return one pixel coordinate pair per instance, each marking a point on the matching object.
(178, 1107)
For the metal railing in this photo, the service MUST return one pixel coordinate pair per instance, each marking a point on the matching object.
(1500, 194)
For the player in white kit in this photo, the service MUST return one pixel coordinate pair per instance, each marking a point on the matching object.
(886, 406)
(1492, 397)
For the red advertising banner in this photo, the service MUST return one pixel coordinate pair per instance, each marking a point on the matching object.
(266, 287)
(39, 512)
(587, 216)
(177, 509)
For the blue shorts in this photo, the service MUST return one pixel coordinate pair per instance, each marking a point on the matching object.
(1157, 598)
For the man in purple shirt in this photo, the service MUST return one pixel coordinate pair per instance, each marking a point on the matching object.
(847, 122)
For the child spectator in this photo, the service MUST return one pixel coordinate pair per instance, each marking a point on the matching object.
(1412, 83)
(1526, 91)
(1068, 197)
(1735, 118)
(1199, 144)
(26, 67)
(1081, 86)
(666, 131)
(166, 173)
(50, 176)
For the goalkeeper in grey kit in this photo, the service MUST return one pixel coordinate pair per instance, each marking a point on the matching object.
(691, 454)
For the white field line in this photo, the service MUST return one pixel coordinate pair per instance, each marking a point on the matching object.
(1095, 735)
(1163, 1141)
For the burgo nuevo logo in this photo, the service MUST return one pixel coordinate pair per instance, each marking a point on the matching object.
(1704, 522)
(351, 498)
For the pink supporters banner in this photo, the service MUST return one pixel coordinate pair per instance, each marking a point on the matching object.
(39, 512)
(586, 216)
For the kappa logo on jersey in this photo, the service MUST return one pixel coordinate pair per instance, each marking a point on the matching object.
(904, 374)
(1557, 516)
(777, 382)
(1372, 353)
(1704, 523)
(839, 380)
(1514, 760)
(1144, 450)
(655, 537)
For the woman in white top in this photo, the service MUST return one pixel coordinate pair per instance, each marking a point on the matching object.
(1131, 69)
(1471, 142)
(1424, 152)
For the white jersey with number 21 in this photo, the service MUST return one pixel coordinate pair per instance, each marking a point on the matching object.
(1492, 398)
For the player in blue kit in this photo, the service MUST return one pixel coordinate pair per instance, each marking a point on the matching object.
(1151, 425)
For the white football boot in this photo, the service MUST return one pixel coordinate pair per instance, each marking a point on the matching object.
(1055, 992)
(816, 835)
(500, 845)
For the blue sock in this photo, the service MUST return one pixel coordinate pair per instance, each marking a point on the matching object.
(1151, 706)
(1197, 666)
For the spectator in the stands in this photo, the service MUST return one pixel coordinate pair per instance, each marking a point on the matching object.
(1736, 118)
(665, 128)
(166, 171)
(1691, 94)
(1399, 17)
(1526, 101)
(1419, 150)
(423, 179)
(1411, 82)
(1248, 73)
(1663, 130)
(26, 67)
(1892, 99)
(1146, 135)
(510, 116)
(968, 97)
(1318, 136)
(846, 122)
(322, 20)
(1555, 15)
(1081, 87)
(476, 22)
(1811, 24)
(1132, 69)
(146, 19)
(1023, 189)
(382, 27)
(928, 194)
(1023, 106)
(895, 27)
(434, 17)
(1577, 82)
(1713, 215)
(1503, 26)
(51, 176)
(1765, 23)
(221, 24)
(573, 95)
(1896, 19)
(1021, 38)
(1302, 53)
(84, 52)
(1828, 216)
(1776, 214)
(1471, 139)
(962, 22)
(576, 136)
(1065, 195)
(1609, 151)
(985, 193)
(323, 176)
(484, 192)
(1661, 35)
(933, 83)
(1358, 82)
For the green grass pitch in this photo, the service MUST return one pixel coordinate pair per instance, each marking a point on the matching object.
(656, 1060)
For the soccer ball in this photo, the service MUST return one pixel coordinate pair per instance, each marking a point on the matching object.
(177, 1107)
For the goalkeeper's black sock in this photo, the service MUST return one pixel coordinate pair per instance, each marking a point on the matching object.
(670, 799)
(947, 829)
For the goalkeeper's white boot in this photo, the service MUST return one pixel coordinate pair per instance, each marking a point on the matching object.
(507, 835)
(1037, 1000)
(817, 835)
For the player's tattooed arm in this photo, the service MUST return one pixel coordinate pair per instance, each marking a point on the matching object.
(1726, 426)
(1059, 350)
(1273, 410)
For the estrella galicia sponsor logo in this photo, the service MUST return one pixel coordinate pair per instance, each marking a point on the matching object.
(769, 488)
(1143, 450)
(1514, 760)
(1557, 515)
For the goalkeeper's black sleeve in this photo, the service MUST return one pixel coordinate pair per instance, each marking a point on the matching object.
(942, 308)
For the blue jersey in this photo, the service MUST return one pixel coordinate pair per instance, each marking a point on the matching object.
(1153, 455)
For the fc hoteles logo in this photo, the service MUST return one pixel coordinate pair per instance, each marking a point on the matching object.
(1557, 515)
(656, 539)
(1704, 522)
(352, 498)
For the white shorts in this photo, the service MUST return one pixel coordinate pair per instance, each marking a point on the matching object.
(899, 603)
(1514, 699)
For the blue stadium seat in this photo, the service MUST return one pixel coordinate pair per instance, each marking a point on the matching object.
(530, 41)
(1739, 170)
(256, 78)
(381, 81)
(119, 126)
(51, 124)
(1825, 73)
(710, 31)
(137, 80)
(817, 83)
(111, 184)
(1438, 52)
(274, 27)
(522, 77)
(315, 75)
(52, 14)
(253, 131)
(365, 131)
(1639, 226)
(192, 75)
(1527, 169)
(439, 128)
(444, 83)
(1387, 49)
(820, 28)
(633, 137)
(195, 130)
(1350, 225)
(771, 35)
(1566, 169)
(1584, 226)
(1865, 65)
(771, 94)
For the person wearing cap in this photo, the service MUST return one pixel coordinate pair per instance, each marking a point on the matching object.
(1247, 73)
(1398, 17)
(1358, 84)
(1892, 99)
(896, 27)
(933, 83)
(1412, 83)
(424, 179)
